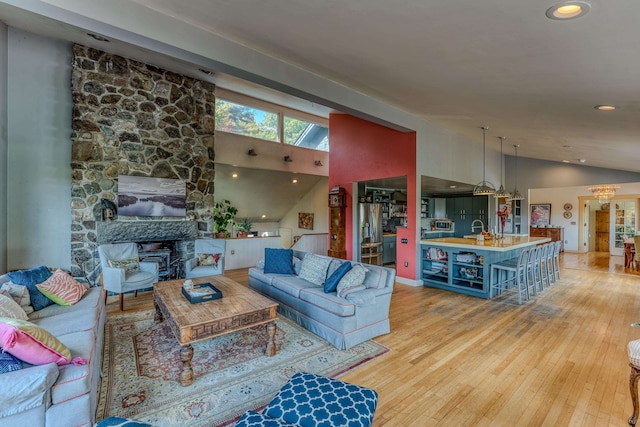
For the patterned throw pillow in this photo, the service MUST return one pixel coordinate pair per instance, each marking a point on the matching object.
(311, 400)
(32, 344)
(19, 294)
(352, 281)
(10, 308)
(314, 268)
(332, 281)
(30, 278)
(208, 260)
(9, 363)
(62, 289)
(278, 261)
(256, 419)
(129, 264)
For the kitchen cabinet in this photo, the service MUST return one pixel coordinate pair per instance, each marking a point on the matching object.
(464, 267)
(389, 249)
(463, 210)
(554, 233)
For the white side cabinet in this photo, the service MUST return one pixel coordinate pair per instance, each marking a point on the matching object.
(246, 252)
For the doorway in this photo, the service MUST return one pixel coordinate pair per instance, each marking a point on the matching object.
(607, 225)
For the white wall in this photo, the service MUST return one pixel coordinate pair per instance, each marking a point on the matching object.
(559, 196)
(315, 202)
(39, 151)
(3, 146)
(542, 174)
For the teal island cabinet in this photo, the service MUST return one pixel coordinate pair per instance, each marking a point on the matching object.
(463, 265)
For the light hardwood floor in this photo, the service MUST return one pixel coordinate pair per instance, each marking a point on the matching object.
(558, 360)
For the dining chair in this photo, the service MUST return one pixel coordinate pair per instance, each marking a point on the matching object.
(633, 350)
(636, 259)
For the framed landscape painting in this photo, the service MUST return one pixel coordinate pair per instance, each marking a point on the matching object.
(540, 214)
(147, 196)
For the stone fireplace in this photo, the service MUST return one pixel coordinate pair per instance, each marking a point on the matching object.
(131, 118)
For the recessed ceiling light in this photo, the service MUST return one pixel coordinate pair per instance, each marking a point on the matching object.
(582, 160)
(566, 161)
(605, 107)
(98, 37)
(452, 186)
(568, 10)
(295, 181)
(234, 175)
(264, 216)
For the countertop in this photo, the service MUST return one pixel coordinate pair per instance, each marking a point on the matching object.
(499, 245)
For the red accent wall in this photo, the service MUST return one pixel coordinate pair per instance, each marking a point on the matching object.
(361, 151)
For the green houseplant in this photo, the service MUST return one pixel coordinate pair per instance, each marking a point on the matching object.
(223, 214)
(243, 227)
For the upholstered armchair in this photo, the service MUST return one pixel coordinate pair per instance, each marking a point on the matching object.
(122, 272)
(208, 260)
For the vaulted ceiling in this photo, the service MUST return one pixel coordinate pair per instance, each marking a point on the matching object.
(459, 64)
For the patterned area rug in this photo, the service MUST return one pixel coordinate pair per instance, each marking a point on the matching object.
(141, 366)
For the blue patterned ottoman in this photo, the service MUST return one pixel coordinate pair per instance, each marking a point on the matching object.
(310, 400)
(121, 422)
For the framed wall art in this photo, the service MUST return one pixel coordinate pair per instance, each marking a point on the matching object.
(305, 220)
(540, 214)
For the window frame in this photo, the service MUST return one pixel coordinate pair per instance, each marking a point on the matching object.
(269, 107)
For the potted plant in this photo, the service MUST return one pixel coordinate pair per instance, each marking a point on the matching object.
(243, 227)
(223, 214)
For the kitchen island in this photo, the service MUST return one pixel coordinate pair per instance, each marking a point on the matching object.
(462, 265)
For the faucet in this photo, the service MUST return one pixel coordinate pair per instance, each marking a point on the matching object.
(473, 225)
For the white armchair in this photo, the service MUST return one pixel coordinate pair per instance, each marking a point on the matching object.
(116, 278)
(209, 258)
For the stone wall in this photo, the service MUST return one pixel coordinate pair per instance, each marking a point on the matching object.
(131, 118)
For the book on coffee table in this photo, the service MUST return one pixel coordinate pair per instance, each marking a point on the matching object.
(201, 293)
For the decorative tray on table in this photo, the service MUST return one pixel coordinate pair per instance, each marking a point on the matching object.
(201, 293)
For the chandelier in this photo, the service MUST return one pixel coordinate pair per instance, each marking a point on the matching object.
(603, 192)
(484, 188)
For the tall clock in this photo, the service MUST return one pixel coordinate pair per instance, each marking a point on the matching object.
(337, 223)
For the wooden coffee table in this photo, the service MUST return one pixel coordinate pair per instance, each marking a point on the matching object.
(239, 308)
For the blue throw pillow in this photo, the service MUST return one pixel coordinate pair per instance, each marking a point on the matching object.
(313, 400)
(332, 281)
(278, 261)
(9, 362)
(30, 278)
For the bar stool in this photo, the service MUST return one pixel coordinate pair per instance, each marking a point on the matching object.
(515, 273)
(555, 262)
(532, 276)
(371, 253)
(544, 265)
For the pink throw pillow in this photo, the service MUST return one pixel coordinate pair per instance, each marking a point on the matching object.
(62, 289)
(32, 344)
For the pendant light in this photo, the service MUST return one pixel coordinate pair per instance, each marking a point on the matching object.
(501, 193)
(516, 195)
(484, 188)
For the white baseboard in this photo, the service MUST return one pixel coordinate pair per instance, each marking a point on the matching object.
(410, 282)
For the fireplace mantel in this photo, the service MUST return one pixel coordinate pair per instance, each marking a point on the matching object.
(145, 231)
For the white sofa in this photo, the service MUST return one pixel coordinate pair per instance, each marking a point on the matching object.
(59, 396)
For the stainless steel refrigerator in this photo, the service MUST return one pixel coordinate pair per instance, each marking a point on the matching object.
(370, 224)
